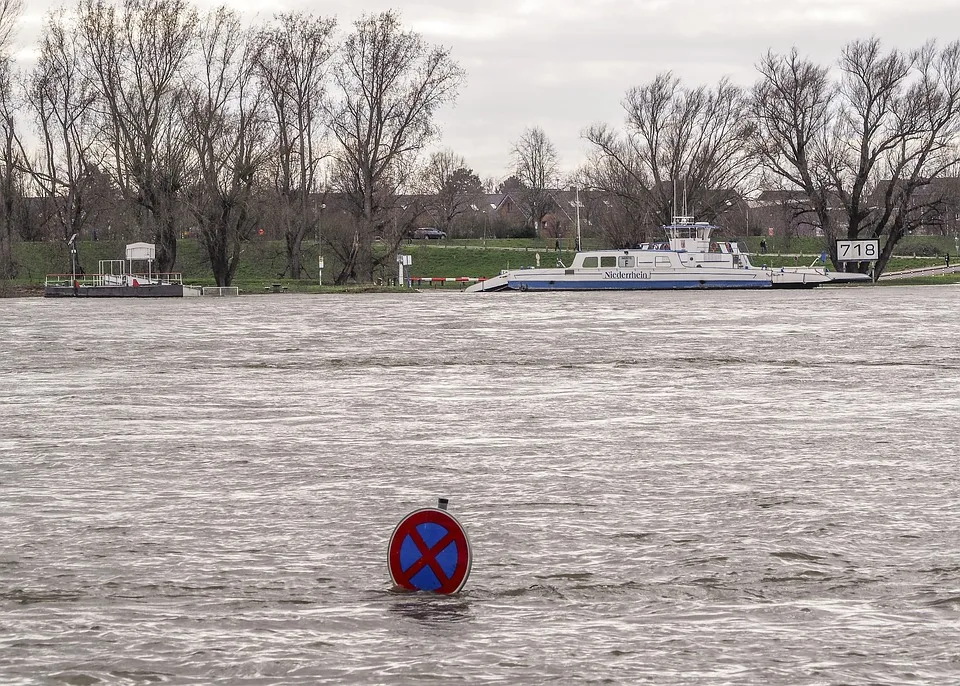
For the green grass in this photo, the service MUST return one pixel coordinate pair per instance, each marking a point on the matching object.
(932, 280)
(475, 262)
(896, 263)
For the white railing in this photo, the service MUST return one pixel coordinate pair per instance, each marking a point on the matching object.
(88, 280)
(220, 291)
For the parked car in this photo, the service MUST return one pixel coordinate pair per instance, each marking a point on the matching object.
(429, 232)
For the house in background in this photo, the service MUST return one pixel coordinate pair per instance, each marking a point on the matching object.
(934, 208)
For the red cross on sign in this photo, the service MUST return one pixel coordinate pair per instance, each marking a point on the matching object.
(429, 551)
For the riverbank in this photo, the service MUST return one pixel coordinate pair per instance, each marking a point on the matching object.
(12, 290)
(259, 271)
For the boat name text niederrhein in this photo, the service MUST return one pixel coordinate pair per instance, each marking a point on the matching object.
(626, 275)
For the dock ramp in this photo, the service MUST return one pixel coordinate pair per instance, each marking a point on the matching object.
(496, 283)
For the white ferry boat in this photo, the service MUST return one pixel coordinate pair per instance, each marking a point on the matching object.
(688, 260)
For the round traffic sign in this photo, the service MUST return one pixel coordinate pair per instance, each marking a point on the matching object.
(429, 551)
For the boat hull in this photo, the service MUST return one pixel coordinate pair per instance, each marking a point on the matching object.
(547, 280)
(635, 280)
(628, 285)
(172, 290)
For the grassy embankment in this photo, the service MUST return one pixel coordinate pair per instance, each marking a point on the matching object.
(263, 261)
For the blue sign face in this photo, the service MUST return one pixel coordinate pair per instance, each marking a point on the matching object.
(411, 553)
(429, 552)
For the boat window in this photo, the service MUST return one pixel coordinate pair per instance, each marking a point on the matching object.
(663, 261)
(590, 261)
(626, 261)
(608, 261)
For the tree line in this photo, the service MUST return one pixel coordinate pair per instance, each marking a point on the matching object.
(159, 116)
(172, 118)
(852, 145)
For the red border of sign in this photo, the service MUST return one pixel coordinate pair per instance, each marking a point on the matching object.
(455, 531)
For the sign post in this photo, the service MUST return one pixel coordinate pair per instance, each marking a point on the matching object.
(320, 270)
(429, 551)
(866, 250)
(403, 261)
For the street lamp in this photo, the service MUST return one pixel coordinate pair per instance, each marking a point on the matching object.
(578, 218)
(323, 206)
(486, 226)
(73, 256)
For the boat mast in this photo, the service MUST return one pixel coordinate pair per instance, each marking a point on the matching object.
(674, 213)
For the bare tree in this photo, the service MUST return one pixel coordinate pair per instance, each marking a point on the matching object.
(621, 213)
(681, 146)
(292, 65)
(227, 136)
(136, 55)
(10, 11)
(61, 99)
(391, 83)
(860, 148)
(537, 167)
(449, 187)
(11, 158)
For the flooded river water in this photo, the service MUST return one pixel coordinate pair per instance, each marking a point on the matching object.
(663, 488)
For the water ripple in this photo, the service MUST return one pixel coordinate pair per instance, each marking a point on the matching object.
(664, 488)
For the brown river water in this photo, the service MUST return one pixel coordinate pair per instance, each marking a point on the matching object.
(660, 487)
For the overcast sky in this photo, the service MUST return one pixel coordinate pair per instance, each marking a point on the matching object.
(564, 64)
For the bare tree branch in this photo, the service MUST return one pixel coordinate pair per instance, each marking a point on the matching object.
(136, 54)
(537, 167)
(860, 148)
(683, 151)
(391, 83)
(227, 137)
(292, 64)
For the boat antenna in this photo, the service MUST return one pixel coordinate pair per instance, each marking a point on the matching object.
(674, 214)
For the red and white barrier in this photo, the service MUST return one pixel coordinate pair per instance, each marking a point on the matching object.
(446, 279)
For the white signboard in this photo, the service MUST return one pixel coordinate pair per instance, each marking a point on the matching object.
(141, 251)
(858, 251)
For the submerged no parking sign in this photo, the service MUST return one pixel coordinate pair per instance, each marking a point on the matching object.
(429, 551)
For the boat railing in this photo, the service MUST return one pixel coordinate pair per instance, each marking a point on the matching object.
(92, 280)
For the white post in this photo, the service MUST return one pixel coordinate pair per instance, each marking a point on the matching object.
(578, 218)
(320, 270)
(403, 261)
(73, 256)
